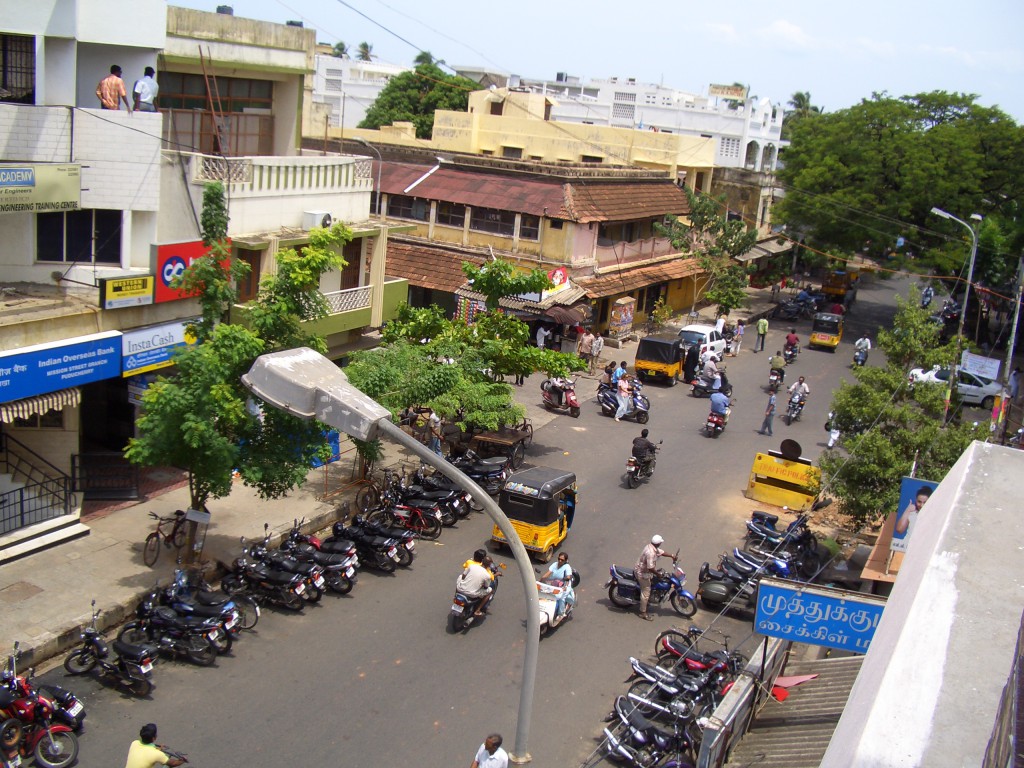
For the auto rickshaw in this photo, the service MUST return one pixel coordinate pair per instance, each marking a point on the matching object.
(660, 356)
(540, 502)
(827, 330)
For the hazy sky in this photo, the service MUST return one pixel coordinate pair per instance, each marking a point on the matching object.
(839, 51)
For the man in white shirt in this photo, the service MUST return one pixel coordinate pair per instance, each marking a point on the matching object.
(146, 90)
(490, 754)
(476, 582)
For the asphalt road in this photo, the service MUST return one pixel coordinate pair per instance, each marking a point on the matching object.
(376, 679)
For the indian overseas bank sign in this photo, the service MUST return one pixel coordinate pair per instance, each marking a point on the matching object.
(43, 368)
(38, 188)
(150, 348)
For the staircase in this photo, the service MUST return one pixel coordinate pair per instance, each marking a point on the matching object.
(37, 507)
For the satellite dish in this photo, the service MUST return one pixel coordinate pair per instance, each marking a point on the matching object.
(790, 450)
(326, 221)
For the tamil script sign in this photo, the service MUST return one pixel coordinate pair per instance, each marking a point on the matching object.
(58, 365)
(37, 188)
(824, 616)
(150, 348)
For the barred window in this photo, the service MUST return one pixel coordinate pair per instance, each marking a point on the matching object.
(493, 220)
(451, 214)
(529, 227)
(83, 237)
(18, 69)
(402, 207)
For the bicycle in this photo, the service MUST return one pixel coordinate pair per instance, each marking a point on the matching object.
(176, 538)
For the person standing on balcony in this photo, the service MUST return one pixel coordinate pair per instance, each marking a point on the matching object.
(145, 91)
(111, 91)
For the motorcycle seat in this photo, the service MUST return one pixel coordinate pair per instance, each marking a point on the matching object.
(765, 518)
(329, 560)
(337, 545)
(268, 574)
(132, 652)
(417, 492)
(421, 503)
(624, 574)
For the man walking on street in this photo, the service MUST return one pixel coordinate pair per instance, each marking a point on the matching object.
(762, 334)
(645, 569)
(595, 352)
(585, 349)
(769, 414)
(490, 754)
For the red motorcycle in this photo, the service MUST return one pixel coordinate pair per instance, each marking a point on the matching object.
(715, 425)
(28, 730)
(560, 395)
(67, 708)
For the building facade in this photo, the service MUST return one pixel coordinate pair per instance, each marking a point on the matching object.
(345, 88)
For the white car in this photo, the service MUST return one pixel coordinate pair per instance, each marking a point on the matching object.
(973, 390)
(705, 336)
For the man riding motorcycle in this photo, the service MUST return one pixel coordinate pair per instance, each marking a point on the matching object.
(475, 582)
(777, 362)
(863, 345)
(710, 373)
(719, 403)
(800, 386)
(643, 449)
(792, 340)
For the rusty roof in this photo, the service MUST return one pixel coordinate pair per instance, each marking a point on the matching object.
(578, 200)
(599, 286)
(428, 266)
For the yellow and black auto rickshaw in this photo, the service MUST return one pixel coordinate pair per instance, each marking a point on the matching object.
(541, 503)
(827, 330)
(660, 356)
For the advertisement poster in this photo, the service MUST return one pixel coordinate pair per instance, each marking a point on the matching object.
(169, 261)
(117, 292)
(620, 320)
(37, 188)
(58, 365)
(914, 494)
(148, 349)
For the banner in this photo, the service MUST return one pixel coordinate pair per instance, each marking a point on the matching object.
(147, 349)
(734, 92)
(169, 261)
(37, 188)
(117, 292)
(46, 368)
(914, 494)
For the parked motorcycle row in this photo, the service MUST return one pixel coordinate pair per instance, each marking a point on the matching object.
(660, 719)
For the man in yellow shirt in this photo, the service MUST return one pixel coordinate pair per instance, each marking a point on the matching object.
(145, 754)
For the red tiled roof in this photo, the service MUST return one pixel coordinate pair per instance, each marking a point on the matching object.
(426, 266)
(579, 200)
(629, 280)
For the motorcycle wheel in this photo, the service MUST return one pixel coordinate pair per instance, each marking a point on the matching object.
(140, 686)
(617, 599)
(201, 651)
(683, 605)
(431, 528)
(711, 605)
(222, 643)
(132, 634)
(643, 690)
(385, 563)
(312, 594)
(606, 411)
(574, 411)
(151, 549)
(518, 454)
(10, 733)
(642, 417)
(475, 505)
(448, 518)
(405, 557)
(459, 623)
(248, 611)
(231, 585)
(681, 638)
(674, 380)
(381, 517)
(715, 433)
(341, 585)
(632, 479)
(56, 750)
(79, 662)
(293, 602)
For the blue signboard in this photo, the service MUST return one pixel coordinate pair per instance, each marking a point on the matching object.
(824, 616)
(51, 367)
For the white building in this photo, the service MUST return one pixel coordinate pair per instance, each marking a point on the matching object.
(347, 87)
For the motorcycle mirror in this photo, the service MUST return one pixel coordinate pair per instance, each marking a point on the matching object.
(266, 527)
(660, 442)
(17, 643)
(94, 603)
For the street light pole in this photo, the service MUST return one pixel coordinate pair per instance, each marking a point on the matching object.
(954, 379)
(306, 384)
(380, 165)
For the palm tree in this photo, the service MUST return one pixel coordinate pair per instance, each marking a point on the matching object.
(423, 57)
(801, 104)
(365, 52)
(340, 50)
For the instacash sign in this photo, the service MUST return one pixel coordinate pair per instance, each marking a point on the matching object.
(150, 348)
(43, 368)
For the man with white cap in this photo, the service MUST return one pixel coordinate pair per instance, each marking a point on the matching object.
(645, 569)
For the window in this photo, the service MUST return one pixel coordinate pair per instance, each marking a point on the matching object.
(249, 286)
(402, 207)
(237, 94)
(591, 159)
(496, 107)
(556, 223)
(512, 153)
(493, 220)
(85, 237)
(246, 105)
(622, 96)
(451, 214)
(18, 69)
(52, 419)
(529, 227)
(332, 85)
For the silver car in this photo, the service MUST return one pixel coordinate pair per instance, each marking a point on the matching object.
(973, 389)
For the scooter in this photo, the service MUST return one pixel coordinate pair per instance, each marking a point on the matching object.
(860, 356)
(640, 406)
(624, 590)
(550, 593)
(132, 666)
(720, 588)
(640, 469)
(704, 388)
(789, 353)
(775, 379)
(715, 424)
(560, 395)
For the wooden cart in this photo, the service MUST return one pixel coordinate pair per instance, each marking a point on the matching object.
(509, 441)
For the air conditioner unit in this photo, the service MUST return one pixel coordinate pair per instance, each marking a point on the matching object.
(311, 219)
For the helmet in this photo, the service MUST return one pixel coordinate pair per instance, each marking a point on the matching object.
(338, 529)
(657, 540)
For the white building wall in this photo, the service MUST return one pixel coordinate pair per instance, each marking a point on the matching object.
(120, 156)
(349, 86)
(35, 134)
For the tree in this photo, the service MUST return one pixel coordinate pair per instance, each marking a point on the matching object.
(802, 106)
(202, 418)
(889, 427)
(715, 242)
(365, 52)
(415, 96)
(423, 57)
(340, 50)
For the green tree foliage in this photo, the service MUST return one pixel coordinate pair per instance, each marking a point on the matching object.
(863, 176)
(801, 108)
(715, 242)
(423, 57)
(415, 96)
(888, 425)
(340, 50)
(365, 52)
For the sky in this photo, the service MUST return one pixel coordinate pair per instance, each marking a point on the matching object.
(840, 52)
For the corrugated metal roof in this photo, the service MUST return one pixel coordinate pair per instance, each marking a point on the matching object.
(629, 280)
(578, 200)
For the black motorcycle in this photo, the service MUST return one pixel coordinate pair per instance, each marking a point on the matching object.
(797, 401)
(191, 595)
(132, 665)
(703, 388)
(640, 469)
(406, 539)
(490, 474)
(170, 633)
(247, 576)
(311, 573)
(375, 551)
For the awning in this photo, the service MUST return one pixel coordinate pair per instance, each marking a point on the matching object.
(627, 280)
(769, 247)
(576, 315)
(40, 404)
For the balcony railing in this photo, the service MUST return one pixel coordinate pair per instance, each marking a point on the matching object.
(349, 299)
(275, 176)
(622, 253)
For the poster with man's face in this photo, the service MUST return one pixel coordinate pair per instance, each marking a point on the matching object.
(914, 494)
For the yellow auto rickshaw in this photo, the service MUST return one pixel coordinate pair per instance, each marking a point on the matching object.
(660, 356)
(827, 330)
(540, 502)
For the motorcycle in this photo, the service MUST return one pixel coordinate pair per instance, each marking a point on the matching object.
(406, 539)
(560, 395)
(644, 742)
(624, 590)
(171, 633)
(463, 610)
(704, 388)
(790, 352)
(131, 667)
(66, 706)
(311, 574)
(719, 588)
(775, 379)
(618, 750)
(640, 406)
(247, 576)
(796, 543)
(860, 356)
(490, 473)
(640, 469)
(715, 424)
(28, 730)
(797, 401)
(192, 596)
(438, 482)
(452, 503)
(380, 552)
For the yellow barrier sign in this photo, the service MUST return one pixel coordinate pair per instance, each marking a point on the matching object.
(783, 482)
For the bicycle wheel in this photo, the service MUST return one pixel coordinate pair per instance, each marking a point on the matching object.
(528, 440)
(367, 498)
(429, 527)
(151, 549)
(179, 534)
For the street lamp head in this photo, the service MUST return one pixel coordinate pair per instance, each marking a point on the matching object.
(976, 216)
(359, 140)
(306, 384)
(940, 212)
